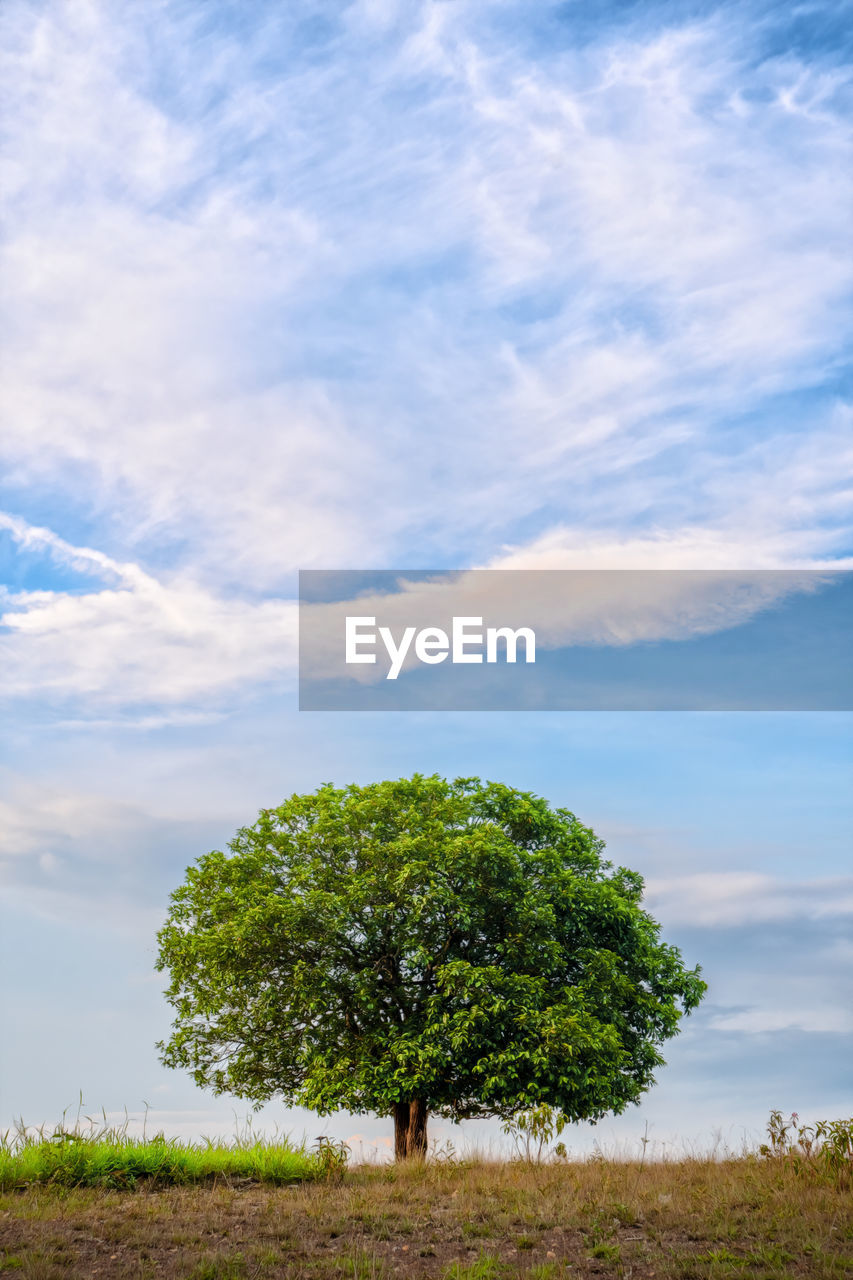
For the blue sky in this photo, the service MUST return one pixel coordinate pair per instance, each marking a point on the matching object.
(458, 284)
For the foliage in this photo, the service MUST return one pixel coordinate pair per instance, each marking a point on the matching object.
(532, 1131)
(824, 1148)
(459, 943)
(331, 1158)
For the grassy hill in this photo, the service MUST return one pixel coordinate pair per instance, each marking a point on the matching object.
(758, 1217)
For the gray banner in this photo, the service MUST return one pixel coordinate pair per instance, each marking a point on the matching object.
(562, 640)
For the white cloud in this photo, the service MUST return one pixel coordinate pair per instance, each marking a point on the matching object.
(252, 333)
(736, 898)
(813, 1017)
(39, 821)
(138, 640)
(95, 853)
(771, 948)
(686, 548)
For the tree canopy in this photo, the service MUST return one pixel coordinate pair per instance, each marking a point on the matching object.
(420, 946)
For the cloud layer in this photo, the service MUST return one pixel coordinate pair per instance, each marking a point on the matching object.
(440, 284)
(546, 295)
(554, 291)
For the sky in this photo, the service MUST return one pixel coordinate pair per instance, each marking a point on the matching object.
(458, 284)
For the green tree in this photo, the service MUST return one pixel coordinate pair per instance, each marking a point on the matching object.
(416, 947)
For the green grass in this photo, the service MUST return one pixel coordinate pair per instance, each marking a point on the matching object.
(486, 1267)
(110, 1158)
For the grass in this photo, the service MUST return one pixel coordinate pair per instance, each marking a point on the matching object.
(110, 1158)
(754, 1217)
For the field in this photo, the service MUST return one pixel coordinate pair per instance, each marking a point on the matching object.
(753, 1217)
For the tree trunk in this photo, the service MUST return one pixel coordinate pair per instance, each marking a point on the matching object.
(410, 1129)
(401, 1130)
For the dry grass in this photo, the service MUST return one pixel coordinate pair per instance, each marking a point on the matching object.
(750, 1218)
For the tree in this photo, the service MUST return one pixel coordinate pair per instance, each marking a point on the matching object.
(416, 947)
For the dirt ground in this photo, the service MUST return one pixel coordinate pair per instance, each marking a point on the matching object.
(747, 1218)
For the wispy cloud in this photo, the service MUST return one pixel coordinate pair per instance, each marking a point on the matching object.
(772, 947)
(266, 318)
(731, 899)
(820, 1016)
